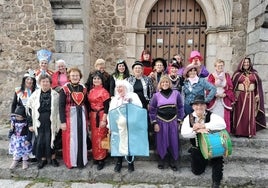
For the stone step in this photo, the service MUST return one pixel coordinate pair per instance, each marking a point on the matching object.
(236, 174)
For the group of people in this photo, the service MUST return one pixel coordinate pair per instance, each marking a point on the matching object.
(51, 108)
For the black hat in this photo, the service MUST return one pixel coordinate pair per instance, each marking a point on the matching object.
(175, 65)
(20, 110)
(164, 62)
(199, 99)
(137, 63)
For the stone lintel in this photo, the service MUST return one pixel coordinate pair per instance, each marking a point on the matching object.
(219, 29)
(136, 30)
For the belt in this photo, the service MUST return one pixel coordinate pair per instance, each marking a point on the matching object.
(97, 116)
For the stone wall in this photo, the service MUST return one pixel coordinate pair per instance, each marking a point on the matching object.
(26, 26)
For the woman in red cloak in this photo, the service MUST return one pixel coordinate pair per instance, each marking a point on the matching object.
(249, 114)
(99, 99)
(73, 117)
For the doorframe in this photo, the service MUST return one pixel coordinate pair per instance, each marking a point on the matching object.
(219, 28)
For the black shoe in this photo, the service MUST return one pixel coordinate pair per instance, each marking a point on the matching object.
(54, 162)
(173, 167)
(100, 165)
(41, 164)
(118, 167)
(131, 167)
(32, 160)
(160, 164)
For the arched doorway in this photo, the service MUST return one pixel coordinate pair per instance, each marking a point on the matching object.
(175, 26)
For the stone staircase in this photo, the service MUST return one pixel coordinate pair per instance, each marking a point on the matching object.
(246, 167)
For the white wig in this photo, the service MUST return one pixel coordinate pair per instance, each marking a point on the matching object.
(126, 84)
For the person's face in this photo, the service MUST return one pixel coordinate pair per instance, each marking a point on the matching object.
(146, 57)
(159, 67)
(121, 90)
(28, 82)
(45, 84)
(100, 68)
(19, 117)
(192, 73)
(43, 65)
(199, 108)
(137, 70)
(61, 67)
(173, 70)
(121, 68)
(164, 84)
(74, 77)
(97, 81)
(246, 64)
(219, 67)
(196, 61)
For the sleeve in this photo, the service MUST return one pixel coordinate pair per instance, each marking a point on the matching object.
(212, 90)
(29, 118)
(204, 72)
(180, 108)
(112, 86)
(186, 130)
(216, 123)
(89, 83)
(153, 109)
(14, 103)
(135, 99)
(62, 105)
(106, 105)
(150, 88)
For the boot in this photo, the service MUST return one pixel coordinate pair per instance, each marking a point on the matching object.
(118, 165)
(131, 167)
(100, 165)
(173, 164)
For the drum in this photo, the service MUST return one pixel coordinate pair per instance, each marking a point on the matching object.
(215, 144)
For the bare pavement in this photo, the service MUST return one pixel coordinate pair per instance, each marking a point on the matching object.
(246, 167)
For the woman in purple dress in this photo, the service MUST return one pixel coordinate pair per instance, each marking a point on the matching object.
(166, 112)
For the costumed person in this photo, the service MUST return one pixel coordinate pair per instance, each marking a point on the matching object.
(195, 59)
(195, 85)
(222, 102)
(59, 78)
(166, 112)
(159, 69)
(124, 95)
(43, 116)
(20, 138)
(177, 59)
(175, 78)
(74, 122)
(121, 72)
(146, 61)
(44, 58)
(99, 99)
(203, 121)
(248, 113)
(100, 66)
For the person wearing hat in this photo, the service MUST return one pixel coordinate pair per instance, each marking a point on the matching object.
(177, 59)
(121, 72)
(202, 121)
(142, 84)
(175, 78)
(195, 85)
(146, 60)
(73, 107)
(159, 69)
(99, 66)
(99, 99)
(59, 78)
(195, 59)
(20, 138)
(44, 58)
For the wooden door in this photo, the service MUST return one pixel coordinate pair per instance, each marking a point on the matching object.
(175, 26)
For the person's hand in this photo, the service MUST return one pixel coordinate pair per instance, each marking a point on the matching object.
(205, 130)
(103, 124)
(156, 128)
(257, 98)
(26, 142)
(63, 126)
(151, 75)
(31, 129)
(198, 126)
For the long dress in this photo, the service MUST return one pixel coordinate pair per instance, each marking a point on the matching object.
(73, 112)
(97, 97)
(249, 115)
(222, 106)
(165, 110)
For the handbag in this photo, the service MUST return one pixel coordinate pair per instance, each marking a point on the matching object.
(105, 142)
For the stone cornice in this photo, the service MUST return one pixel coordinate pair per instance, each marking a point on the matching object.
(219, 29)
(136, 30)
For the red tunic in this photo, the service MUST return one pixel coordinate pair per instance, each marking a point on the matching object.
(96, 97)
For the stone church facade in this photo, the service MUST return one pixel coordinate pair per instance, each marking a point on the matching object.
(80, 31)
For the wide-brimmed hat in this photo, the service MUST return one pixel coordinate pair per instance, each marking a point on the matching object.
(190, 67)
(137, 63)
(20, 110)
(199, 99)
(195, 54)
(163, 61)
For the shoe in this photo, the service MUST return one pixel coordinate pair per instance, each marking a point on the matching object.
(173, 167)
(160, 164)
(131, 167)
(32, 160)
(41, 164)
(118, 167)
(100, 165)
(24, 164)
(13, 164)
(54, 162)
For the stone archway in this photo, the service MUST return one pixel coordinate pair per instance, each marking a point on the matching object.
(218, 29)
